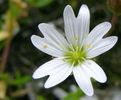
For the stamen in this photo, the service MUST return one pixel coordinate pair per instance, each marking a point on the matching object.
(75, 55)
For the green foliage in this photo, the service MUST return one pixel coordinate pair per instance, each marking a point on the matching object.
(20, 80)
(2, 44)
(39, 3)
(40, 97)
(75, 95)
(4, 77)
(15, 10)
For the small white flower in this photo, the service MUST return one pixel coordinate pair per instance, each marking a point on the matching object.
(73, 51)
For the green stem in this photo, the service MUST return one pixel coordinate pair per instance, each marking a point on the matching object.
(9, 26)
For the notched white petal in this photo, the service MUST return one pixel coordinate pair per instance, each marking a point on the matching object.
(84, 10)
(97, 33)
(95, 71)
(42, 45)
(69, 24)
(59, 75)
(83, 80)
(83, 21)
(47, 68)
(102, 46)
(52, 35)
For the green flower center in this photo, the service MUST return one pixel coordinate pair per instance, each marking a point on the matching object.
(75, 55)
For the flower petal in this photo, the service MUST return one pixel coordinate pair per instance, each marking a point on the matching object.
(69, 24)
(46, 68)
(59, 75)
(83, 81)
(83, 20)
(52, 35)
(97, 33)
(102, 46)
(94, 71)
(42, 45)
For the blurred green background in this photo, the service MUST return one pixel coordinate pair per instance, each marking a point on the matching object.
(19, 20)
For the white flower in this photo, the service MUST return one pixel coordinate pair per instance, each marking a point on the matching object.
(73, 51)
